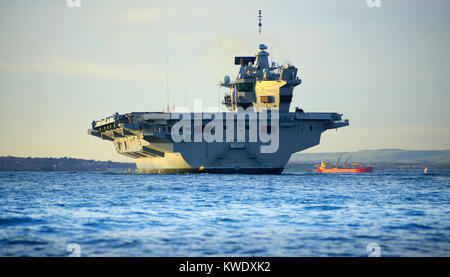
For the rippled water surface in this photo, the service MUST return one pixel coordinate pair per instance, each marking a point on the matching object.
(309, 214)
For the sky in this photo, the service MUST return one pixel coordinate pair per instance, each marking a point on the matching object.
(386, 68)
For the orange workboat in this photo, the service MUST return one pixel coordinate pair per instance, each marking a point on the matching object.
(355, 168)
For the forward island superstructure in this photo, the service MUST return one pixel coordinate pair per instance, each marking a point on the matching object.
(257, 134)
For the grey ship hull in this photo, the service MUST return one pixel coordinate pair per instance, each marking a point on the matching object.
(146, 137)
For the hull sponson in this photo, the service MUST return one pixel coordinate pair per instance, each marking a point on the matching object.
(170, 163)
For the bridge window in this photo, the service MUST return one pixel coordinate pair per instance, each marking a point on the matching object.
(244, 87)
(267, 99)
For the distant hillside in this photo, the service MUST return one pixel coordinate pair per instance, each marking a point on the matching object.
(60, 164)
(382, 155)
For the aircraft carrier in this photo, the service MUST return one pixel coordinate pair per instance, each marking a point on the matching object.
(257, 135)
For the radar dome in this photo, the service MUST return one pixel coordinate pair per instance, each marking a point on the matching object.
(226, 79)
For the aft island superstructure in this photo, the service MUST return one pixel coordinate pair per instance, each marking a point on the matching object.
(257, 134)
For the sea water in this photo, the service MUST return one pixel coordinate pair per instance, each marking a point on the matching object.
(304, 214)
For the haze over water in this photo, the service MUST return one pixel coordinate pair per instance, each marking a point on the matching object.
(305, 214)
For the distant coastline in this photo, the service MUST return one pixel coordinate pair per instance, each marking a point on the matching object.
(10, 163)
(383, 158)
(380, 155)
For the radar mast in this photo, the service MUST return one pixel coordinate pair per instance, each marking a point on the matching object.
(259, 25)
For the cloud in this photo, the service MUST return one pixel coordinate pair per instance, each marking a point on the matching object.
(143, 16)
(80, 68)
